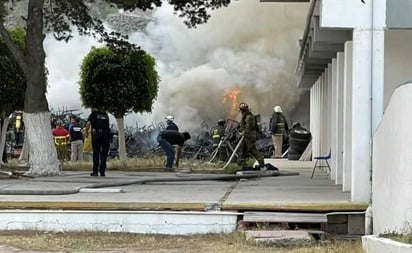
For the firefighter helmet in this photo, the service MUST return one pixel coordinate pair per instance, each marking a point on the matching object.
(221, 122)
(170, 118)
(277, 109)
(243, 107)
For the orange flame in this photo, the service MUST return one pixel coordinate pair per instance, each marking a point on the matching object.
(230, 102)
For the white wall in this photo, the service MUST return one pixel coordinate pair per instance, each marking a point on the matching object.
(338, 13)
(392, 164)
(143, 222)
(398, 60)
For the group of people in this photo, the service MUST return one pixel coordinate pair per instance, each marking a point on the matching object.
(74, 134)
(248, 128)
(94, 139)
(170, 139)
(97, 133)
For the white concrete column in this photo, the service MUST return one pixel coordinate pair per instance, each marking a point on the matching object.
(361, 115)
(314, 122)
(340, 58)
(325, 119)
(319, 112)
(328, 117)
(322, 128)
(333, 117)
(311, 104)
(315, 118)
(319, 117)
(347, 118)
(378, 60)
(311, 111)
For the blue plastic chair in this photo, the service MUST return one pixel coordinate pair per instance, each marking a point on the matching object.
(321, 158)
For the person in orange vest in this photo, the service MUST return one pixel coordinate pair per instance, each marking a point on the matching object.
(61, 138)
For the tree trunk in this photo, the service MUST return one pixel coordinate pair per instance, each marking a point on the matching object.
(43, 156)
(24, 154)
(5, 121)
(35, 96)
(122, 141)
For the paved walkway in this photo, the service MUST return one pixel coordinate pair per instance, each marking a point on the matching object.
(282, 193)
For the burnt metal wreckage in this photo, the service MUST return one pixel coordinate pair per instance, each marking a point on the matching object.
(141, 142)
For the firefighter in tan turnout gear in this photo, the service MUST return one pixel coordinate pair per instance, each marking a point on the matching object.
(278, 127)
(248, 131)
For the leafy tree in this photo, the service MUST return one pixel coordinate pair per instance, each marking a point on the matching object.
(60, 17)
(12, 83)
(119, 81)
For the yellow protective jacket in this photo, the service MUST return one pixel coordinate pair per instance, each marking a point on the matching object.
(87, 145)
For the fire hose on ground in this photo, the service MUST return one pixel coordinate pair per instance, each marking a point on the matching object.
(250, 175)
(143, 181)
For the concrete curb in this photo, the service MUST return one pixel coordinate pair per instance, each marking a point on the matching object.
(314, 207)
(376, 244)
(69, 205)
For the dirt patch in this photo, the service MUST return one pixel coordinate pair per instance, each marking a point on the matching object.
(30, 241)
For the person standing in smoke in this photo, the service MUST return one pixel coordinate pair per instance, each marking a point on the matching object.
(278, 127)
(167, 139)
(98, 121)
(170, 124)
(248, 131)
(218, 133)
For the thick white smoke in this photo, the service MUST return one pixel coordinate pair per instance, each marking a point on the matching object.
(249, 45)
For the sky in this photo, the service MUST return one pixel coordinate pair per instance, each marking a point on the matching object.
(250, 47)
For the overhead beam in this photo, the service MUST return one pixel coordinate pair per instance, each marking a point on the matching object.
(330, 35)
(325, 46)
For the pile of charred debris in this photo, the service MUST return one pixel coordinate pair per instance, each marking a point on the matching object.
(141, 141)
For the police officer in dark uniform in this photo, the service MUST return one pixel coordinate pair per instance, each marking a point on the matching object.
(99, 122)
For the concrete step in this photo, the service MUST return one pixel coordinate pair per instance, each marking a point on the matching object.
(280, 238)
(279, 217)
(339, 223)
(348, 223)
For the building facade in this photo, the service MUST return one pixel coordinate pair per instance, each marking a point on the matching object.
(356, 59)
